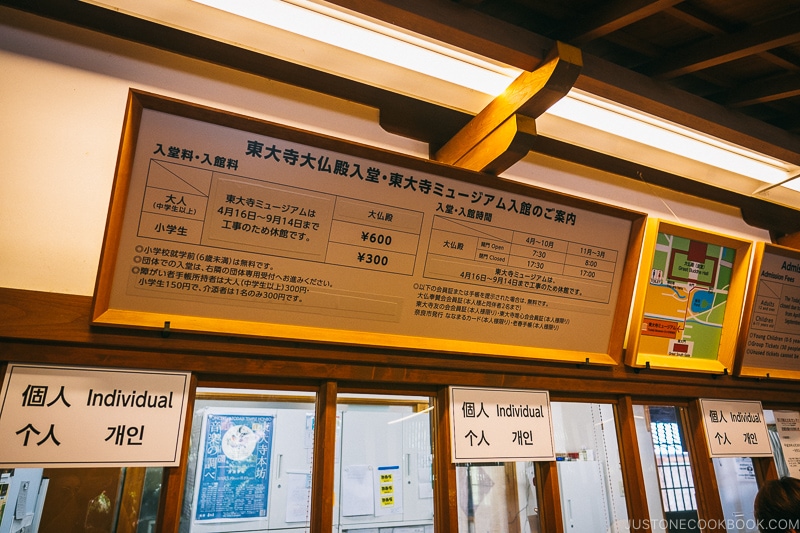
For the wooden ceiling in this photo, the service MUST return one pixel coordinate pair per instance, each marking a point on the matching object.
(741, 54)
(730, 68)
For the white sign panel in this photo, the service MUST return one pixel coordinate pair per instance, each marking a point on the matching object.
(263, 230)
(788, 425)
(735, 428)
(498, 425)
(79, 417)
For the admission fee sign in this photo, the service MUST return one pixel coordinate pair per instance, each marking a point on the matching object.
(498, 425)
(735, 428)
(57, 416)
(226, 224)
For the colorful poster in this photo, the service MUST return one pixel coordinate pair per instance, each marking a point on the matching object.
(233, 467)
(686, 298)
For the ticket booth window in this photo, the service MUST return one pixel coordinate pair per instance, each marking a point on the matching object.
(504, 497)
(589, 469)
(497, 497)
(667, 470)
(79, 500)
(736, 479)
(249, 464)
(383, 478)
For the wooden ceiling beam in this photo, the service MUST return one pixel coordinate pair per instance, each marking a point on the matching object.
(715, 28)
(729, 47)
(485, 141)
(436, 124)
(611, 17)
(767, 90)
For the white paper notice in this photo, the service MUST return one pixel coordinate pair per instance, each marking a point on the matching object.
(788, 424)
(298, 498)
(358, 495)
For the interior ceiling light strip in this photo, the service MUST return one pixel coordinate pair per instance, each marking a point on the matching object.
(337, 28)
(629, 124)
(369, 39)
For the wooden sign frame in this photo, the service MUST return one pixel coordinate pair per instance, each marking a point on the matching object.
(138, 207)
(658, 327)
(773, 299)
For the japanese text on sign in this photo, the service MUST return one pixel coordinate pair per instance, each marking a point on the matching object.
(500, 425)
(282, 233)
(735, 428)
(69, 416)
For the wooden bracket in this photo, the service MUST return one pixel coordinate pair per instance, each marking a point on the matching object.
(504, 131)
(790, 241)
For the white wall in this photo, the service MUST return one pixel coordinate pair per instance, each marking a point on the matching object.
(62, 100)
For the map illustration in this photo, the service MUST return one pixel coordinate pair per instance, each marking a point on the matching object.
(685, 298)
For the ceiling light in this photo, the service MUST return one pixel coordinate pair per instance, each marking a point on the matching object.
(633, 125)
(336, 28)
(381, 42)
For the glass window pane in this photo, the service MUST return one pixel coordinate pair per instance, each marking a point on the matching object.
(79, 500)
(384, 464)
(589, 468)
(669, 483)
(250, 460)
(737, 490)
(497, 498)
(783, 428)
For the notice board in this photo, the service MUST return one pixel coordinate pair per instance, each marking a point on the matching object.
(769, 343)
(222, 223)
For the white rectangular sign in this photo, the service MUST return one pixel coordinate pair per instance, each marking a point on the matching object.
(788, 425)
(90, 417)
(735, 428)
(499, 425)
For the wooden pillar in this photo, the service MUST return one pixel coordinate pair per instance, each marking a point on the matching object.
(445, 503)
(550, 517)
(324, 467)
(173, 485)
(632, 476)
(709, 504)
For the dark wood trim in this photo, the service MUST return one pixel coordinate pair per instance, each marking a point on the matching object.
(631, 461)
(173, 484)
(445, 501)
(709, 504)
(37, 327)
(765, 469)
(324, 463)
(551, 519)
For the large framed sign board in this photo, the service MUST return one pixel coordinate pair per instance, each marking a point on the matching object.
(769, 343)
(222, 223)
(688, 299)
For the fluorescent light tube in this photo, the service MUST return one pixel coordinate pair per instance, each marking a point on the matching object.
(376, 41)
(635, 126)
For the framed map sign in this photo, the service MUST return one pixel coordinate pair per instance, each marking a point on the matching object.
(769, 343)
(226, 224)
(688, 299)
